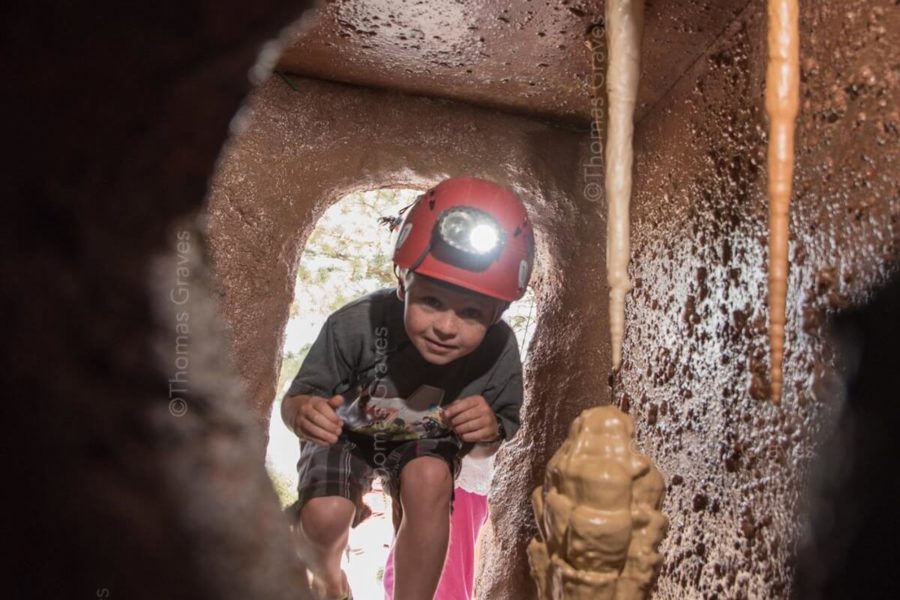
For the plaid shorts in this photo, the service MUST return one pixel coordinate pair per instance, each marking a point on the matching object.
(348, 467)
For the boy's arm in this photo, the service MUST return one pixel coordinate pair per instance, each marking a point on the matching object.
(492, 416)
(505, 392)
(308, 408)
(473, 420)
(312, 417)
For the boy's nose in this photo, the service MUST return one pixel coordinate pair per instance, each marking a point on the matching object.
(445, 325)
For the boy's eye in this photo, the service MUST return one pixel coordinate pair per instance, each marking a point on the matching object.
(471, 313)
(431, 301)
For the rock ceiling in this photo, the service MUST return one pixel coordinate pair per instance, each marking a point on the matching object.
(519, 56)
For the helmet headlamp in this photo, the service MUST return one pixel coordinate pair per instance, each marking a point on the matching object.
(468, 237)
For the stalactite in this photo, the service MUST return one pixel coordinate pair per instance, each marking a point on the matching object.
(782, 103)
(624, 24)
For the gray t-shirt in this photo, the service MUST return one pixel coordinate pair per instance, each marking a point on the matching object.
(390, 391)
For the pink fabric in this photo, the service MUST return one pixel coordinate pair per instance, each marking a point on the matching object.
(458, 579)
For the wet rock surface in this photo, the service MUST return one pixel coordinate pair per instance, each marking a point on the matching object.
(526, 57)
(696, 339)
(147, 504)
(696, 355)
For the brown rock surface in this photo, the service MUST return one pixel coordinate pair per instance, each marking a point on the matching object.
(525, 57)
(696, 349)
(116, 120)
(695, 370)
(113, 117)
(304, 150)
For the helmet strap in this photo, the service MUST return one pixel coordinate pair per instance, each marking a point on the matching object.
(400, 274)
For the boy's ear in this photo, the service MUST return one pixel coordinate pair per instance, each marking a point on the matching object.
(401, 275)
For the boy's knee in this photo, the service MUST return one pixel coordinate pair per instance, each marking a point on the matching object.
(426, 479)
(323, 521)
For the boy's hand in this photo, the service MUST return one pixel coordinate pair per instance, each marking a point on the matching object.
(315, 418)
(472, 419)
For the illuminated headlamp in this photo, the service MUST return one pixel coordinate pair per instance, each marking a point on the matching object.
(467, 237)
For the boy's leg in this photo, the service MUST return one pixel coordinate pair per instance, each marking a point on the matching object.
(457, 578)
(331, 483)
(426, 486)
(322, 531)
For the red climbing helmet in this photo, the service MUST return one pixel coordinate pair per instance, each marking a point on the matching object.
(471, 233)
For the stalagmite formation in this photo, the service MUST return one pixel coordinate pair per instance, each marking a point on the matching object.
(624, 23)
(782, 103)
(599, 525)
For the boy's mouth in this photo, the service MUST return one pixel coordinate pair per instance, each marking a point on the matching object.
(435, 345)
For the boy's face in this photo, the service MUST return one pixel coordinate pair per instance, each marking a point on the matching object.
(445, 322)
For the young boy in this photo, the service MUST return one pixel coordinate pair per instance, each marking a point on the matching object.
(401, 383)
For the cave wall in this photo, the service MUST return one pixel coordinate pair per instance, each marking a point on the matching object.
(114, 492)
(304, 150)
(113, 488)
(696, 348)
(696, 362)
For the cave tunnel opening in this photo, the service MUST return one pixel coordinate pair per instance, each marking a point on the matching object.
(695, 356)
(348, 255)
(157, 504)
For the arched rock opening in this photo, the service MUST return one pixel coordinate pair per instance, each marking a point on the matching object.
(303, 150)
(145, 505)
(695, 366)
